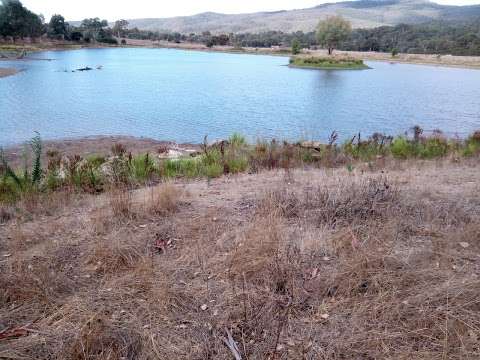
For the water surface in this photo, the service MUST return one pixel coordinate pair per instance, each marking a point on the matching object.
(185, 95)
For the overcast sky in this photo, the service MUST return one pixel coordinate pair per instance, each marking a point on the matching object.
(128, 9)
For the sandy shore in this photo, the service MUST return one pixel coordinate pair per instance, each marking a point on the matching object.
(472, 62)
(4, 72)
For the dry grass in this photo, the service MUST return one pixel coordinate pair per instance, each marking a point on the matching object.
(163, 199)
(329, 265)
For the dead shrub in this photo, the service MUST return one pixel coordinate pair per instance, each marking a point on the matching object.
(6, 214)
(34, 203)
(163, 199)
(35, 279)
(345, 204)
(102, 338)
(120, 200)
(257, 248)
(118, 252)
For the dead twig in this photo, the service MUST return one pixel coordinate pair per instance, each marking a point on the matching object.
(232, 345)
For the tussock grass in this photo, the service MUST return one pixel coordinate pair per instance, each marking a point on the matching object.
(163, 199)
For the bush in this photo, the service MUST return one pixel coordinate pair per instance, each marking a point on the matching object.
(108, 40)
(402, 148)
(472, 145)
(433, 147)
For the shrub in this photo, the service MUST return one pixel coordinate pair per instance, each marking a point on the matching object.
(95, 161)
(237, 165)
(433, 147)
(213, 170)
(237, 140)
(296, 47)
(402, 148)
(472, 145)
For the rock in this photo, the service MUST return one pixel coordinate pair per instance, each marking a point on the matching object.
(64, 168)
(311, 145)
(171, 154)
(204, 307)
(464, 244)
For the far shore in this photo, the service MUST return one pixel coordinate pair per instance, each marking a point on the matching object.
(4, 72)
(469, 62)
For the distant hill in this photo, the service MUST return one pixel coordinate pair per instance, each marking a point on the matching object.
(362, 14)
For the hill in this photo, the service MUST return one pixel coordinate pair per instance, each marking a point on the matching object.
(362, 14)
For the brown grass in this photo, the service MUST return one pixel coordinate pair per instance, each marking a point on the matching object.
(329, 265)
(163, 199)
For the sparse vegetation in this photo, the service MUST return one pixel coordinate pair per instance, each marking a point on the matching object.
(96, 173)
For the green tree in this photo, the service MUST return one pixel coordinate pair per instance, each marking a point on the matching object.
(92, 28)
(57, 27)
(333, 31)
(120, 27)
(16, 21)
(296, 47)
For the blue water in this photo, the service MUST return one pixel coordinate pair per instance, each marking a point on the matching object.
(183, 96)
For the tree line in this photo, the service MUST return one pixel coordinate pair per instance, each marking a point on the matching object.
(17, 22)
(459, 38)
(455, 38)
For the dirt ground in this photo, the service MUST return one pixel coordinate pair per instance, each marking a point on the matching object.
(300, 264)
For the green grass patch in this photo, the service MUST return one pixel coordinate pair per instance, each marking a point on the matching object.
(327, 63)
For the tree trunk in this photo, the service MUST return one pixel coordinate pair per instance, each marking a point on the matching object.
(330, 50)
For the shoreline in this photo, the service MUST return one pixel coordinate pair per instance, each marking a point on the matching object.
(4, 72)
(96, 144)
(450, 61)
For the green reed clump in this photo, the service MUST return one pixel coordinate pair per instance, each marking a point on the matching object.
(12, 184)
(142, 167)
(367, 150)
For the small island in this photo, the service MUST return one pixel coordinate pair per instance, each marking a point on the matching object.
(327, 63)
(331, 32)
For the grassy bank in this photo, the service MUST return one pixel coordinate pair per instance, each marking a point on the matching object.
(327, 63)
(51, 171)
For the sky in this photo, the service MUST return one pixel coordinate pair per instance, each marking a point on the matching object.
(127, 9)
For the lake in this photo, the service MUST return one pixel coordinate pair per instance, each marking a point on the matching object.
(185, 95)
